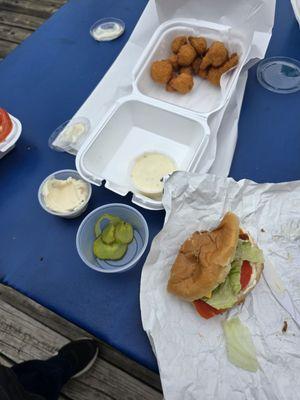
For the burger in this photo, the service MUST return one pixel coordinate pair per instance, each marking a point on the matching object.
(215, 270)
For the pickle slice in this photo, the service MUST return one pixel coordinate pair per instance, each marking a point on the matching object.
(113, 251)
(108, 234)
(124, 232)
(112, 218)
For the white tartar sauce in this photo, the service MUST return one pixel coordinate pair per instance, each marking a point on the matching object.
(64, 195)
(108, 31)
(148, 171)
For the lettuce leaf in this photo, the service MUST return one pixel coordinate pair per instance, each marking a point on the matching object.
(225, 295)
(247, 251)
(240, 348)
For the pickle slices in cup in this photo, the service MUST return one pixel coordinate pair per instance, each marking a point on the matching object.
(112, 242)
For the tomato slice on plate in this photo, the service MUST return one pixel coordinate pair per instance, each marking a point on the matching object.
(5, 125)
(205, 310)
(246, 272)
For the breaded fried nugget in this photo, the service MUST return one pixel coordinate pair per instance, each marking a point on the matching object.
(161, 71)
(199, 44)
(187, 70)
(203, 73)
(177, 43)
(173, 61)
(216, 56)
(186, 55)
(196, 64)
(183, 83)
(168, 86)
(214, 74)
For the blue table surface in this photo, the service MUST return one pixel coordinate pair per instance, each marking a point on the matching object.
(43, 83)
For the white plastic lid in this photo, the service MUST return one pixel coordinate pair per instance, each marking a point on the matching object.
(107, 29)
(70, 135)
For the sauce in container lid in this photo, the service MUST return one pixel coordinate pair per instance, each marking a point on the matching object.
(148, 171)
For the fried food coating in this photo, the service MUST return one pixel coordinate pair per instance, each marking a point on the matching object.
(186, 55)
(173, 61)
(199, 44)
(216, 56)
(203, 73)
(177, 43)
(183, 83)
(196, 64)
(214, 74)
(187, 70)
(161, 71)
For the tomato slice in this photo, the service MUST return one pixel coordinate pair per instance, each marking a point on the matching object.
(205, 310)
(246, 272)
(5, 125)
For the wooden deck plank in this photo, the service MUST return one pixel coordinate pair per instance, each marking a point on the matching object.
(40, 9)
(72, 332)
(13, 34)
(6, 47)
(23, 337)
(20, 20)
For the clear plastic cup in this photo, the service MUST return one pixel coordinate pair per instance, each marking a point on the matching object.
(65, 174)
(279, 74)
(86, 236)
(107, 29)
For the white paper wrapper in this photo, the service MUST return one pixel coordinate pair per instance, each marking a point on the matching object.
(190, 350)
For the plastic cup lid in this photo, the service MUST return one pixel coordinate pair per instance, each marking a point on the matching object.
(279, 74)
(69, 135)
(107, 29)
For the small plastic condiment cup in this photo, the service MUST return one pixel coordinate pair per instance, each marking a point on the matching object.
(107, 24)
(86, 236)
(63, 175)
(68, 146)
(152, 194)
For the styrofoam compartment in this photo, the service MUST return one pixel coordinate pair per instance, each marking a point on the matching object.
(135, 126)
(9, 143)
(204, 98)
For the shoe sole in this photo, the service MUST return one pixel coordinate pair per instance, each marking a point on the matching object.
(89, 366)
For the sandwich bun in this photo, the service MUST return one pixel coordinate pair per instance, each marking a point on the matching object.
(203, 261)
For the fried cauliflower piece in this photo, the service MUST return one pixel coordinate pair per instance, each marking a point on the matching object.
(183, 83)
(214, 74)
(187, 70)
(199, 44)
(196, 64)
(177, 43)
(216, 56)
(173, 61)
(203, 73)
(161, 71)
(186, 55)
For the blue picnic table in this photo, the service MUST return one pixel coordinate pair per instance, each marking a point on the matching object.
(43, 83)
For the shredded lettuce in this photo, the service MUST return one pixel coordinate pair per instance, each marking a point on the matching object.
(240, 348)
(225, 295)
(247, 251)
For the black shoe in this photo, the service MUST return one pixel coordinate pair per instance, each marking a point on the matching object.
(80, 354)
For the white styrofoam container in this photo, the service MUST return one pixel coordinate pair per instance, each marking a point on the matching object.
(135, 126)
(154, 120)
(204, 98)
(9, 143)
